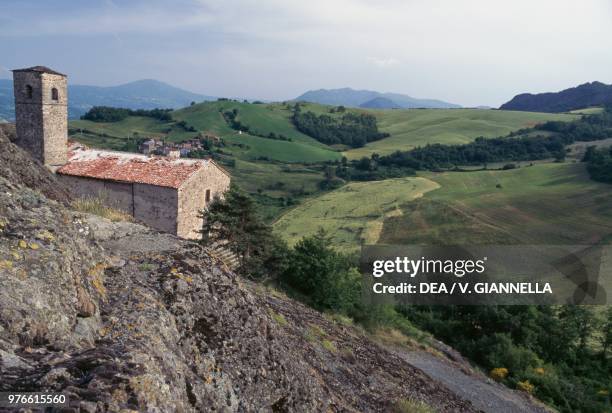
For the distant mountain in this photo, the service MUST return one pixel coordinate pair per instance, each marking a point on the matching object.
(583, 96)
(141, 94)
(380, 103)
(356, 98)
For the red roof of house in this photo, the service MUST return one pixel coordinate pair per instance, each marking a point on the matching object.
(129, 167)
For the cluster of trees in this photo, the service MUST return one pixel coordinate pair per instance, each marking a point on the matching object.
(599, 163)
(563, 351)
(504, 149)
(364, 169)
(110, 114)
(312, 269)
(186, 127)
(481, 151)
(352, 129)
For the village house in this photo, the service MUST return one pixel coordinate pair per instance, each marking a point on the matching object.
(163, 192)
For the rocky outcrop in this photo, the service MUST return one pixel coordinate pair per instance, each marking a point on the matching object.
(120, 317)
(19, 168)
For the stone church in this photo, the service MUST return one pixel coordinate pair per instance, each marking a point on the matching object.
(164, 193)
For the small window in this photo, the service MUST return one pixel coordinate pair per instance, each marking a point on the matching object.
(54, 94)
(207, 195)
(29, 91)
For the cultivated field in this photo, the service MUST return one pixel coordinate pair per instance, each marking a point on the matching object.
(540, 204)
(419, 127)
(353, 214)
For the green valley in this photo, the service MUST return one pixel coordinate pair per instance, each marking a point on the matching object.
(543, 203)
(281, 166)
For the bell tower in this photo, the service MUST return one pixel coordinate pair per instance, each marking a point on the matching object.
(41, 114)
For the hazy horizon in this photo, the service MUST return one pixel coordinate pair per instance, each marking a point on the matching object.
(474, 53)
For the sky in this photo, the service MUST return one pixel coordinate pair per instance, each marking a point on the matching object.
(469, 52)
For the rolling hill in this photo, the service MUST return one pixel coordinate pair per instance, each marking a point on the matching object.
(355, 98)
(208, 118)
(541, 204)
(411, 128)
(141, 94)
(279, 172)
(583, 96)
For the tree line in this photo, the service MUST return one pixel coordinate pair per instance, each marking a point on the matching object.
(351, 129)
(111, 114)
(545, 141)
(599, 163)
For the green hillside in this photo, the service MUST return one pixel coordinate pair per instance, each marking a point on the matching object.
(113, 135)
(408, 128)
(418, 127)
(208, 118)
(353, 214)
(545, 203)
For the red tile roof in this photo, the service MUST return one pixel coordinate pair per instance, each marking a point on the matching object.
(128, 167)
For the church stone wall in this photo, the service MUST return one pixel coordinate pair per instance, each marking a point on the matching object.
(192, 198)
(153, 205)
(156, 206)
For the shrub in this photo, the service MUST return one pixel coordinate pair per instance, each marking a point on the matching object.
(525, 386)
(326, 277)
(499, 373)
(503, 352)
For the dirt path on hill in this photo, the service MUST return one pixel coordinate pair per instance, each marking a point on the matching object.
(484, 393)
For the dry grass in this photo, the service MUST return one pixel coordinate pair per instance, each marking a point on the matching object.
(97, 206)
(412, 406)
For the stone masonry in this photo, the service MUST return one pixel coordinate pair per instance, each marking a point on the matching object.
(41, 112)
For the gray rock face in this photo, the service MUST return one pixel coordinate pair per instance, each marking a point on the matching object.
(159, 328)
(120, 318)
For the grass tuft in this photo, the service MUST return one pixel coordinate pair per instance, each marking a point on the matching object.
(96, 206)
(412, 406)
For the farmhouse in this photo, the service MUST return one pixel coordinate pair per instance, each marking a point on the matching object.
(165, 193)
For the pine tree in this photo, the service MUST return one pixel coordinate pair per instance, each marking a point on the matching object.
(235, 222)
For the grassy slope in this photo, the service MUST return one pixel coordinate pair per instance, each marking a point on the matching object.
(408, 128)
(545, 203)
(588, 111)
(262, 119)
(354, 213)
(418, 127)
(207, 117)
(269, 182)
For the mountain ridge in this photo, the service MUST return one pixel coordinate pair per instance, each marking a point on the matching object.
(355, 98)
(579, 97)
(138, 94)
